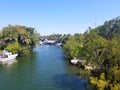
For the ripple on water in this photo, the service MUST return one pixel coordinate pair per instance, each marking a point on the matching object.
(44, 69)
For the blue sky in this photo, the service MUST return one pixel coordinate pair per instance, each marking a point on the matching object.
(58, 16)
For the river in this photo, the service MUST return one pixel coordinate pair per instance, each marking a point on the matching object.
(45, 69)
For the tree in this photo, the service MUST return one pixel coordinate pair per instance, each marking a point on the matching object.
(71, 48)
(94, 47)
(14, 47)
(23, 36)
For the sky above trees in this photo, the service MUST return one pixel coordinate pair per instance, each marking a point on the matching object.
(58, 16)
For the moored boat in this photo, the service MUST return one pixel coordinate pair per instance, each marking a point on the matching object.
(6, 56)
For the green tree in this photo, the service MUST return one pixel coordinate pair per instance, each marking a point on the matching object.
(14, 47)
(94, 47)
(24, 36)
(72, 48)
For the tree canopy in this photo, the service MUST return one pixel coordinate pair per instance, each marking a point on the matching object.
(101, 46)
(17, 37)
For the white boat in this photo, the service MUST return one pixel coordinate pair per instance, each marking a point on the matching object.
(6, 56)
(41, 42)
(74, 61)
(59, 44)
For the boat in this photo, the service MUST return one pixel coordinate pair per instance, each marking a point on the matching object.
(41, 42)
(59, 44)
(75, 61)
(6, 56)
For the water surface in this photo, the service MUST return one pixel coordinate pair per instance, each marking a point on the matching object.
(44, 69)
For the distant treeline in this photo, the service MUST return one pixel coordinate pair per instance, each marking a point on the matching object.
(18, 39)
(101, 47)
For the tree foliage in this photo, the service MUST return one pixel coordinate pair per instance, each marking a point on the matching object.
(71, 48)
(17, 37)
(100, 46)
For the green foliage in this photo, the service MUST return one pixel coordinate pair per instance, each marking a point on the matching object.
(14, 47)
(65, 37)
(18, 38)
(110, 28)
(110, 54)
(25, 51)
(114, 87)
(94, 47)
(2, 43)
(0, 35)
(99, 46)
(78, 38)
(81, 65)
(71, 48)
(99, 82)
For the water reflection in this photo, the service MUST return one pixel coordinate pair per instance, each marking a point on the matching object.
(9, 63)
(44, 69)
(69, 82)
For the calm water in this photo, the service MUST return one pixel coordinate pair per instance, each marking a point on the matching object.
(45, 69)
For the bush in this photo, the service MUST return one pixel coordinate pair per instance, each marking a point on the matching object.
(14, 47)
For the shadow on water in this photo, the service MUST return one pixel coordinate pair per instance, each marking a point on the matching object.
(70, 82)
